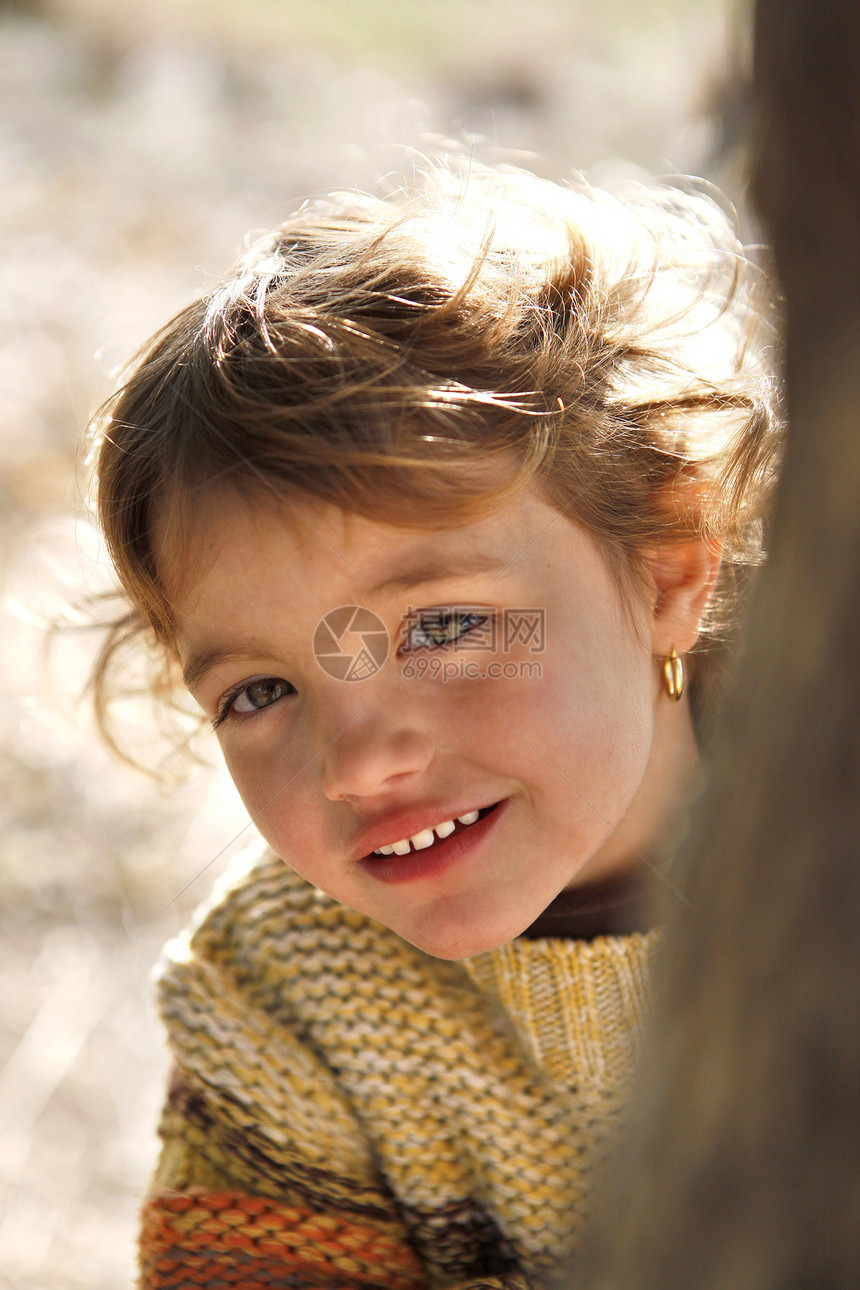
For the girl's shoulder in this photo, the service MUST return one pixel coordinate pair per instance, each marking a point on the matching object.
(288, 953)
(260, 899)
(271, 936)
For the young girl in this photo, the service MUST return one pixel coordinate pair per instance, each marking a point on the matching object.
(434, 504)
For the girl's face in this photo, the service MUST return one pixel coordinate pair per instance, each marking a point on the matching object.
(513, 679)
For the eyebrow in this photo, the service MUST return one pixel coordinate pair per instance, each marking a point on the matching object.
(204, 660)
(425, 573)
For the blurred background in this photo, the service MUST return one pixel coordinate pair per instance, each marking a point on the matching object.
(138, 145)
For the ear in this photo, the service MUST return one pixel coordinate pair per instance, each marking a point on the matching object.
(684, 575)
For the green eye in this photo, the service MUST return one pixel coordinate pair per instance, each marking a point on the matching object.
(447, 629)
(259, 694)
(439, 628)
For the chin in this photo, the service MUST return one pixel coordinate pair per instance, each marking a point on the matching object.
(446, 940)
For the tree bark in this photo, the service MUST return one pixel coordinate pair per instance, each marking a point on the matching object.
(741, 1169)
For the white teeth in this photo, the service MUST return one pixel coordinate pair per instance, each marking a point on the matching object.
(426, 837)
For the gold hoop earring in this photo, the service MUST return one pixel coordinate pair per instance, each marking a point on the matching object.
(673, 675)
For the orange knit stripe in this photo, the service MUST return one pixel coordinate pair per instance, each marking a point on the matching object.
(191, 1238)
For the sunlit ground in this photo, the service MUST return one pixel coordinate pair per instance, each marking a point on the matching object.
(139, 145)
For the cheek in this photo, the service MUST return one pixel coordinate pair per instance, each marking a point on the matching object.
(251, 774)
(270, 782)
(593, 725)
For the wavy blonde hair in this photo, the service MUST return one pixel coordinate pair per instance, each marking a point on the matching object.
(415, 358)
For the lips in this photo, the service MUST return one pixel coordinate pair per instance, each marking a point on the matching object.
(459, 826)
(468, 843)
(408, 823)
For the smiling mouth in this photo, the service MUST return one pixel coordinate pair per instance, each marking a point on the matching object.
(413, 850)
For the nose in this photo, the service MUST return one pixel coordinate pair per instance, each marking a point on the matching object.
(370, 741)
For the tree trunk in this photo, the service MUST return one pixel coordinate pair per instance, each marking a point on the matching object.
(742, 1166)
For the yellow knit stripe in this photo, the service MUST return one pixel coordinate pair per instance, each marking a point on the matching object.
(481, 1095)
(578, 1004)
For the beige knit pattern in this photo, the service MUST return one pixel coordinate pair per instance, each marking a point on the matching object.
(456, 1110)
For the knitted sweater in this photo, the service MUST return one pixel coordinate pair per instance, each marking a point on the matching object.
(347, 1111)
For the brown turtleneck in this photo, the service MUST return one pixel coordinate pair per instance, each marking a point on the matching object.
(613, 907)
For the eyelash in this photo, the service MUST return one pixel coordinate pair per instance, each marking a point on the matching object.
(435, 617)
(225, 710)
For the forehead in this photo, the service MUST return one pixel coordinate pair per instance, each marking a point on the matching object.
(309, 542)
